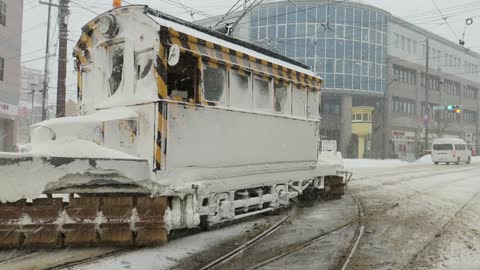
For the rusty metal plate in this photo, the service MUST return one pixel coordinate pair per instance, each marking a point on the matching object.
(42, 236)
(116, 234)
(117, 208)
(80, 235)
(151, 208)
(83, 208)
(44, 209)
(10, 236)
(150, 233)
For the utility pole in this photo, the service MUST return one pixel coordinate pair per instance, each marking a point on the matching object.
(63, 13)
(47, 56)
(426, 117)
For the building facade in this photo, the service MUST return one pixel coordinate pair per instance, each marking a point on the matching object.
(372, 62)
(11, 14)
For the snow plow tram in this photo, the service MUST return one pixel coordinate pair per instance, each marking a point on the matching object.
(179, 127)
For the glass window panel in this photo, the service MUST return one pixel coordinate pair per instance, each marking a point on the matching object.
(299, 102)
(263, 15)
(311, 30)
(340, 31)
(300, 48)
(262, 33)
(281, 31)
(348, 49)
(340, 15)
(254, 18)
(356, 82)
(349, 16)
(301, 14)
(357, 50)
(373, 20)
(358, 17)
(240, 90)
(372, 36)
(321, 14)
(363, 83)
(349, 32)
(320, 66)
(272, 32)
(291, 30)
(282, 98)
(339, 81)
(320, 48)
(281, 46)
(348, 67)
(290, 48)
(254, 33)
(357, 67)
(364, 68)
(262, 94)
(348, 82)
(214, 84)
(378, 71)
(372, 53)
(330, 48)
(371, 69)
(311, 63)
(301, 31)
(291, 15)
(365, 18)
(357, 33)
(339, 66)
(364, 51)
(311, 14)
(272, 16)
(365, 35)
(331, 14)
(310, 46)
(281, 15)
(371, 84)
(329, 80)
(339, 51)
(330, 63)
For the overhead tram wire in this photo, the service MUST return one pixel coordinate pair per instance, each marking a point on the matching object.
(445, 19)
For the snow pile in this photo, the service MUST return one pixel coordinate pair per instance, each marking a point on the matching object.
(75, 147)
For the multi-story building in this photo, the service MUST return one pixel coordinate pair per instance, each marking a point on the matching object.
(374, 64)
(11, 12)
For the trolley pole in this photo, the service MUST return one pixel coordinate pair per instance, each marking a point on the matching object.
(426, 117)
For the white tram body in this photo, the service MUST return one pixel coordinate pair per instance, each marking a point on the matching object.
(221, 128)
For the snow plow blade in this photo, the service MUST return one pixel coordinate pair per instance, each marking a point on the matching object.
(83, 222)
(97, 206)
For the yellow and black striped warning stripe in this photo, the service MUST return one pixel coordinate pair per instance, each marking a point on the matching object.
(211, 52)
(161, 145)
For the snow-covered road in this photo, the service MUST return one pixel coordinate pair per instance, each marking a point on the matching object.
(417, 216)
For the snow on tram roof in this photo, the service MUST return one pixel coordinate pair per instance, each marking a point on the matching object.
(220, 39)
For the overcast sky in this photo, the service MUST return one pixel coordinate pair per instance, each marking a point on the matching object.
(420, 12)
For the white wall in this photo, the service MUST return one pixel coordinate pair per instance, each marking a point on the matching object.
(209, 137)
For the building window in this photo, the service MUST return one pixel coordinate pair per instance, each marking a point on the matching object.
(3, 12)
(397, 40)
(402, 105)
(2, 67)
(404, 75)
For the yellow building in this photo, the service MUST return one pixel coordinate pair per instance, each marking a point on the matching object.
(362, 127)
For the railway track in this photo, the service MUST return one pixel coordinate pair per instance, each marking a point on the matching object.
(444, 227)
(296, 248)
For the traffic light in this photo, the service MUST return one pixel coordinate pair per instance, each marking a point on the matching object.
(454, 108)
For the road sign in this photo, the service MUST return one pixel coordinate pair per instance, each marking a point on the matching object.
(438, 107)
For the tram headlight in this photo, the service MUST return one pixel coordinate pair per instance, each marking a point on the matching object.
(108, 25)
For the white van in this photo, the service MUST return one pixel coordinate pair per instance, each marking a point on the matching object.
(450, 150)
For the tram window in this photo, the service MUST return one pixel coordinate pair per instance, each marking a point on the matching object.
(240, 89)
(299, 101)
(214, 84)
(116, 52)
(262, 94)
(313, 104)
(181, 77)
(282, 98)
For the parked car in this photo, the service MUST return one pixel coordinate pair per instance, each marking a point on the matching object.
(451, 150)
